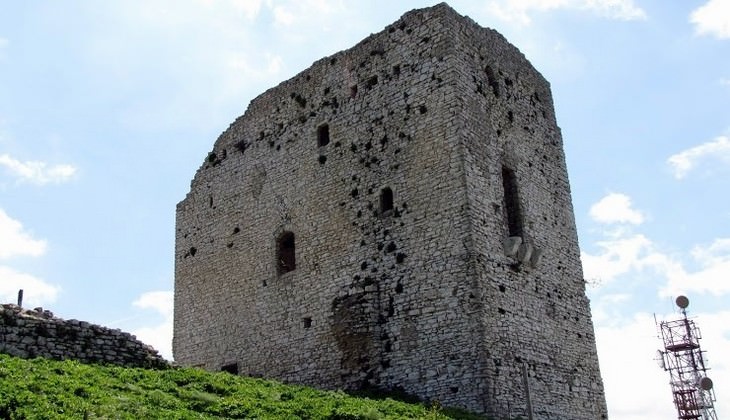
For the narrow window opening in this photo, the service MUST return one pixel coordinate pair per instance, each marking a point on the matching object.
(511, 202)
(231, 368)
(286, 256)
(492, 80)
(353, 91)
(323, 135)
(307, 322)
(386, 200)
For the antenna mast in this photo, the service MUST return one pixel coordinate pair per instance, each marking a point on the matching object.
(683, 358)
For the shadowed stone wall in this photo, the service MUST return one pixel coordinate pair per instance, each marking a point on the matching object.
(397, 216)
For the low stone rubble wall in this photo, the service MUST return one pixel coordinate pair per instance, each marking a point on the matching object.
(37, 333)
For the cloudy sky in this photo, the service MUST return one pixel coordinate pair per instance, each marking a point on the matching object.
(108, 108)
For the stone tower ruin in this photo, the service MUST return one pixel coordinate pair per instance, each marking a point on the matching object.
(395, 217)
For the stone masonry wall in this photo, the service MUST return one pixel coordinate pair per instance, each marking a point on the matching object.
(398, 217)
(532, 298)
(37, 333)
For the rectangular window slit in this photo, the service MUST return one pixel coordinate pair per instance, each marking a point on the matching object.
(323, 135)
(511, 202)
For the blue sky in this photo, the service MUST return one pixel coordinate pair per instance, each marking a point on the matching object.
(108, 108)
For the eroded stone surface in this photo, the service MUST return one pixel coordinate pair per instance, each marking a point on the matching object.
(400, 166)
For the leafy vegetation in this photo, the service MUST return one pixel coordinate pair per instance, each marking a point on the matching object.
(48, 389)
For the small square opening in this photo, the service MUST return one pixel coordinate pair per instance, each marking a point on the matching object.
(231, 368)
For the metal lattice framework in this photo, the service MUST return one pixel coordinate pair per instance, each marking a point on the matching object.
(683, 358)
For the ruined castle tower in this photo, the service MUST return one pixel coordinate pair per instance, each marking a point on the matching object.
(397, 216)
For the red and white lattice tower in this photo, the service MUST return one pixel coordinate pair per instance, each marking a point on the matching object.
(683, 358)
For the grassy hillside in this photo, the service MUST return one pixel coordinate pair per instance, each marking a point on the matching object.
(46, 389)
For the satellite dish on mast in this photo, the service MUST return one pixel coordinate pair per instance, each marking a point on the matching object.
(682, 301)
(706, 383)
(660, 359)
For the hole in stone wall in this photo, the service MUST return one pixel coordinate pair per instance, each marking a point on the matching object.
(323, 135)
(511, 202)
(299, 99)
(386, 200)
(372, 81)
(307, 322)
(286, 253)
(353, 91)
(241, 146)
(322, 160)
(231, 368)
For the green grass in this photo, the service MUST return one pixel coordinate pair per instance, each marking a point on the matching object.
(48, 389)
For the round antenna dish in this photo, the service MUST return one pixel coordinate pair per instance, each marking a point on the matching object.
(706, 383)
(682, 301)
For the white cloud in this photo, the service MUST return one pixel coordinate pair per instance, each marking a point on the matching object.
(160, 301)
(631, 254)
(725, 82)
(249, 8)
(623, 252)
(3, 44)
(176, 13)
(621, 255)
(158, 336)
(518, 11)
(36, 172)
(283, 16)
(245, 70)
(36, 292)
(15, 241)
(630, 376)
(615, 9)
(289, 13)
(711, 277)
(712, 18)
(683, 162)
(616, 208)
